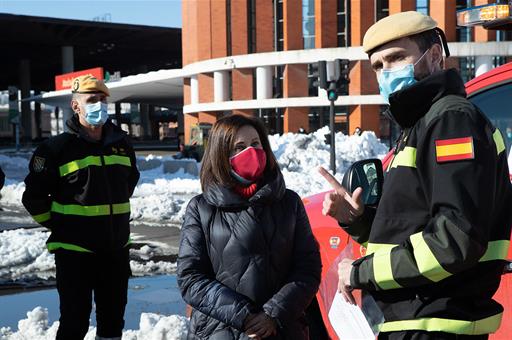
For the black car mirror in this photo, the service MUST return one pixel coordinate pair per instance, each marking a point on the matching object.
(368, 175)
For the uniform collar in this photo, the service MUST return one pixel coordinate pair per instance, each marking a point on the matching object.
(111, 132)
(409, 105)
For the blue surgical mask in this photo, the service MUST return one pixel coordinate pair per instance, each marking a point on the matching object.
(398, 78)
(96, 114)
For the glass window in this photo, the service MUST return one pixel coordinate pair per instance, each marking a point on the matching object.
(381, 9)
(463, 34)
(422, 6)
(495, 103)
(251, 26)
(278, 25)
(308, 23)
(343, 13)
(313, 80)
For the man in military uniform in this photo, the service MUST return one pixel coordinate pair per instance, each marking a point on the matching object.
(79, 187)
(437, 242)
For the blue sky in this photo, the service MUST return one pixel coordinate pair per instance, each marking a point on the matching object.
(165, 13)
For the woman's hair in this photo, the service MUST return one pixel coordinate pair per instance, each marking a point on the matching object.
(215, 169)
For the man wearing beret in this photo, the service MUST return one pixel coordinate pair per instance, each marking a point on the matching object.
(79, 187)
(437, 242)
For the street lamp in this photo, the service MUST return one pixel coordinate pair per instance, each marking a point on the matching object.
(334, 78)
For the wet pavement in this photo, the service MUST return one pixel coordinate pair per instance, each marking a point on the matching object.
(155, 294)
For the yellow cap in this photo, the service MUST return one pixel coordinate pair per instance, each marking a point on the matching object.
(89, 84)
(396, 26)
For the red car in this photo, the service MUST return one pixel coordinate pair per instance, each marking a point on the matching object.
(491, 92)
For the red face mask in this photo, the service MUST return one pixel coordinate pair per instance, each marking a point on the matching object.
(249, 163)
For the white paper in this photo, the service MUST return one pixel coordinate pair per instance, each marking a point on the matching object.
(348, 320)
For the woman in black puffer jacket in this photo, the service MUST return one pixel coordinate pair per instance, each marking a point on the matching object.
(248, 262)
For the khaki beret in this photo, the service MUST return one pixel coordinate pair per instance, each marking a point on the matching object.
(396, 26)
(89, 84)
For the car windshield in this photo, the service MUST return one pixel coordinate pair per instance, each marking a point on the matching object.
(496, 103)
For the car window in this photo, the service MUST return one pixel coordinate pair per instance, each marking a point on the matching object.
(496, 103)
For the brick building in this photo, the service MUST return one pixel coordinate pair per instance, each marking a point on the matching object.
(259, 57)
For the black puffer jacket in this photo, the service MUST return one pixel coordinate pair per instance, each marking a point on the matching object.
(239, 256)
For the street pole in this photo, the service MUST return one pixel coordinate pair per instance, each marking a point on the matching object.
(333, 146)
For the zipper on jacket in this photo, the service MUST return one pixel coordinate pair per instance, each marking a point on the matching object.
(399, 143)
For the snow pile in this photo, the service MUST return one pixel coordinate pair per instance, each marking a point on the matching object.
(161, 198)
(151, 327)
(299, 156)
(152, 268)
(15, 169)
(23, 254)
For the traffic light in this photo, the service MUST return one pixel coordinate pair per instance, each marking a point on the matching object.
(332, 92)
(334, 77)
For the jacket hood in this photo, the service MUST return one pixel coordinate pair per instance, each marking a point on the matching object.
(409, 105)
(273, 189)
(111, 132)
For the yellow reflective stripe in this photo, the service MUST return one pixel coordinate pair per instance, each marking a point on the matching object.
(426, 261)
(51, 246)
(498, 140)
(121, 208)
(382, 270)
(406, 157)
(129, 241)
(373, 247)
(42, 217)
(496, 250)
(119, 160)
(82, 210)
(482, 326)
(76, 165)
(90, 210)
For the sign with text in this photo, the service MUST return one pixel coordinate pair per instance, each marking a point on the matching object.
(63, 81)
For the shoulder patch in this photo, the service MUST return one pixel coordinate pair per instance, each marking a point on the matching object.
(38, 164)
(456, 149)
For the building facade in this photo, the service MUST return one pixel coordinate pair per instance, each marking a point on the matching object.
(260, 58)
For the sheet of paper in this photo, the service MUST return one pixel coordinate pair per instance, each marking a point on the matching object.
(348, 320)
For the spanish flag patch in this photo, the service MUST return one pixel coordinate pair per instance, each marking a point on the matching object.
(455, 149)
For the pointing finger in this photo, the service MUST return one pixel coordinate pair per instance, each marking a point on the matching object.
(332, 180)
(357, 198)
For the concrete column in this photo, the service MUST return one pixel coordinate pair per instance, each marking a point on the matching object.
(220, 86)
(326, 25)
(117, 106)
(398, 6)
(295, 77)
(482, 64)
(264, 82)
(194, 90)
(189, 120)
(26, 112)
(362, 78)
(68, 60)
(145, 124)
(37, 117)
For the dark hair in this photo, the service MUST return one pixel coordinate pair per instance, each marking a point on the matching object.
(426, 40)
(215, 169)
